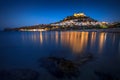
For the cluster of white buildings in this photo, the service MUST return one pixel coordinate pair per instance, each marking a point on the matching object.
(72, 22)
(77, 22)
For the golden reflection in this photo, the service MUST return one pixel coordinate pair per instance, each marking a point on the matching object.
(41, 38)
(102, 38)
(76, 40)
(93, 38)
(56, 37)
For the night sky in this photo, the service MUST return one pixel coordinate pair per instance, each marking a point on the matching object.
(16, 13)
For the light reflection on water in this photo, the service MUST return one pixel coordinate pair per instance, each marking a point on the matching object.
(78, 42)
(102, 39)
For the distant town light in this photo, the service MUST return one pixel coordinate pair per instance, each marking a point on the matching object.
(104, 22)
(79, 15)
(32, 30)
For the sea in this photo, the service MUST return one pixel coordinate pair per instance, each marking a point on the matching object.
(23, 52)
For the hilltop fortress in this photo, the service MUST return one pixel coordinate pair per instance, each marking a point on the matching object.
(79, 15)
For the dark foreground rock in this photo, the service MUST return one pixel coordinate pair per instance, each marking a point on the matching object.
(60, 67)
(63, 68)
(19, 74)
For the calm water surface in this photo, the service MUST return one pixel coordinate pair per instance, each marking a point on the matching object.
(22, 50)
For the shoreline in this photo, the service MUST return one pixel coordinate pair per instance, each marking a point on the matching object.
(110, 30)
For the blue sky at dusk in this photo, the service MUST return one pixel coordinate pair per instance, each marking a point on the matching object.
(16, 13)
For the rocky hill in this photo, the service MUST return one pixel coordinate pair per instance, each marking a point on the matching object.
(78, 19)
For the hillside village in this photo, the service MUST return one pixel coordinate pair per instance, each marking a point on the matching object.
(77, 21)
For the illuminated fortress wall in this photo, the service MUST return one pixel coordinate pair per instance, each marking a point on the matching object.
(79, 15)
